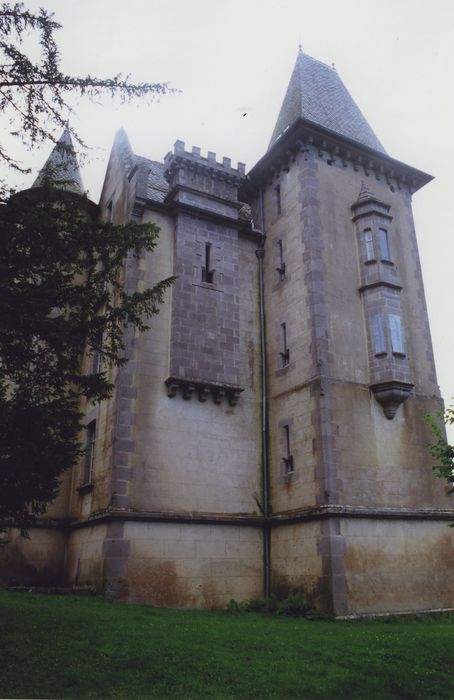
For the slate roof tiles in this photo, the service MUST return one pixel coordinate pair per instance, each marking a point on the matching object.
(317, 93)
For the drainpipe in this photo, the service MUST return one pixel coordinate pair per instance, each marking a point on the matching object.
(266, 509)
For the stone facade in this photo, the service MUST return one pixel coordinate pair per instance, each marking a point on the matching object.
(224, 465)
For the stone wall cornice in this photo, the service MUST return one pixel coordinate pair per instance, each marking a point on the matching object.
(304, 134)
(251, 520)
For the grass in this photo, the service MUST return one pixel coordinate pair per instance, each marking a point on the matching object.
(70, 647)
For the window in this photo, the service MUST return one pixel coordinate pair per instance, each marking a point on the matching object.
(397, 334)
(285, 354)
(281, 269)
(207, 271)
(109, 210)
(277, 194)
(87, 473)
(287, 459)
(378, 334)
(96, 362)
(383, 244)
(369, 245)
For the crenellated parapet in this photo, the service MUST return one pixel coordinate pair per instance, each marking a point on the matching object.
(203, 182)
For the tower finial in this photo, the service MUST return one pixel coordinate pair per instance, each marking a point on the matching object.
(364, 192)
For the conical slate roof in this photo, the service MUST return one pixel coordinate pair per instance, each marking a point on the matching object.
(62, 167)
(317, 93)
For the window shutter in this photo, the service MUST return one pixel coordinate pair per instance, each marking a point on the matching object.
(378, 334)
(369, 243)
(397, 336)
(383, 244)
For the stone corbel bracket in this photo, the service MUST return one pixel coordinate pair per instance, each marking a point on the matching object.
(202, 390)
(390, 395)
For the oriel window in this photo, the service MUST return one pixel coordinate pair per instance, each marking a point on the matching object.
(369, 245)
(378, 334)
(397, 334)
(383, 244)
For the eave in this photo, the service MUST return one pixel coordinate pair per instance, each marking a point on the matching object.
(303, 134)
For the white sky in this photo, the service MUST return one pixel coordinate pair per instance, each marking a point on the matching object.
(229, 57)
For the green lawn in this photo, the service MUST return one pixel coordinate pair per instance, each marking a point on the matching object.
(70, 647)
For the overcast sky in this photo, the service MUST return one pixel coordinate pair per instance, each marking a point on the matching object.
(234, 57)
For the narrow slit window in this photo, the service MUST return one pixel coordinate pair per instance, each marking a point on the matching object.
(207, 271)
(369, 245)
(285, 354)
(89, 460)
(277, 194)
(281, 269)
(109, 210)
(378, 334)
(383, 244)
(287, 458)
(96, 362)
(397, 334)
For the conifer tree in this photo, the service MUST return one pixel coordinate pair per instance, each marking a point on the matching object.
(34, 92)
(62, 297)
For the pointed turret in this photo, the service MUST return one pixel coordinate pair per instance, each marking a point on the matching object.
(62, 167)
(121, 142)
(317, 93)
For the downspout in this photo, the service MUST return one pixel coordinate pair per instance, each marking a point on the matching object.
(266, 509)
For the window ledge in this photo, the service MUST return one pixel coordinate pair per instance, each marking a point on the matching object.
(381, 354)
(399, 354)
(387, 262)
(370, 262)
(283, 370)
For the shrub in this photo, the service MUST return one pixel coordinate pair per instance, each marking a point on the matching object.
(295, 605)
(263, 605)
(235, 608)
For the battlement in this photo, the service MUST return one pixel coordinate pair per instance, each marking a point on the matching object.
(194, 157)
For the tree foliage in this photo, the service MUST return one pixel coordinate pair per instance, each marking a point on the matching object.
(34, 92)
(441, 450)
(62, 298)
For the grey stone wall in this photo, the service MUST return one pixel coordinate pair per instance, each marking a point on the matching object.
(205, 316)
